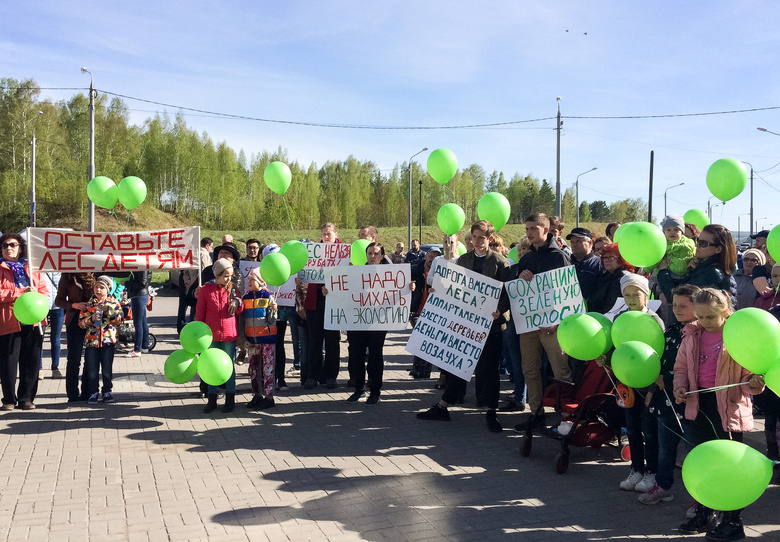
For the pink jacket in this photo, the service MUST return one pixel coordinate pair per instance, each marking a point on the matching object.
(9, 293)
(212, 308)
(734, 404)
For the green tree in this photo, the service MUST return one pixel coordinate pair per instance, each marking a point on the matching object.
(585, 212)
(599, 211)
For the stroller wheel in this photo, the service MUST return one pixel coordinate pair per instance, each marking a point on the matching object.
(525, 447)
(625, 453)
(561, 462)
(152, 342)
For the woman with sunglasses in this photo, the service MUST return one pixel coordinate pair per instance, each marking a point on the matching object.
(20, 344)
(717, 258)
(746, 292)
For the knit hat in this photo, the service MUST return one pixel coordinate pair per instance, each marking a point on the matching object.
(254, 274)
(220, 266)
(107, 281)
(673, 221)
(270, 249)
(756, 253)
(632, 279)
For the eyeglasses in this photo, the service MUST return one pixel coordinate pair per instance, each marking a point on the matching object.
(611, 258)
(493, 245)
(704, 244)
(10, 245)
(253, 247)
(753, 260)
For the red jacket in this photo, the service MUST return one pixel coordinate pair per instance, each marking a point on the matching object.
(9, 293)
(212, 308)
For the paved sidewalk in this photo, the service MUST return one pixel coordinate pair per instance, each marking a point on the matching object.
(154, 467)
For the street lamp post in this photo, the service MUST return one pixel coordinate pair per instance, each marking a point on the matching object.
(762, 218)
(739, 225)
(33, 203)
(92, 94)
(558, 125)
(751, 195)
(409, 239)
(665, 191)
(577, 194)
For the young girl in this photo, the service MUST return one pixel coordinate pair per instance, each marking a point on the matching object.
(703, 362)
(258, 328)
(218, 307)
(100, 318)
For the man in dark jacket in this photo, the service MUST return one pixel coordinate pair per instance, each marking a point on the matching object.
(587, 264)
(545, 255)
(491, 264)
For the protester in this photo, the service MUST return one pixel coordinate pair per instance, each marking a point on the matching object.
(415, 253)
(257, 325)
(703, 363)
(679, 249)
(99, 319)
(137, 289)
(253, 253)
(606, 290)
(586, 263)
(73, 293)
(746, 291)
(557, 226)
(56, 318)
(398, 256)
(770, 298)
(610, 231)
(599, 243)
(762, 273)
(489, 263)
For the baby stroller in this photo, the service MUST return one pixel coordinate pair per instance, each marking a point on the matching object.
(125, 332)
(584, 406)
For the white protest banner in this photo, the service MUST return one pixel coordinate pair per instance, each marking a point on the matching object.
(323, 255)
(456, 319)
(68, 251)
(545, 300)
(368, 297)
(284, 294)
(620, 306)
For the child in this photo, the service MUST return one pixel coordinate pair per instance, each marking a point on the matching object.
(659, 401)
(640, 424)
(100, 318)
(679, 248)
(258, 327)
(703, 362)
(771, 297)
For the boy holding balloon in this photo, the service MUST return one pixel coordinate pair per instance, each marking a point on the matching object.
(257, 325)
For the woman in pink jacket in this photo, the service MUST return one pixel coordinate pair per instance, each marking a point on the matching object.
(218, 307)
(703, 362)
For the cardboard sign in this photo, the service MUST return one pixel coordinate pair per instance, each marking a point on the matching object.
(322, 255)
(100, 252)
(284, 294)
(368, 297)
(545, 300)
(456, 319)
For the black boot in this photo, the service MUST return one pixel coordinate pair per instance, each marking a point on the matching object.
(211, 406)
(698, 523)
(730, 528)
(230, 402)
(771, 444)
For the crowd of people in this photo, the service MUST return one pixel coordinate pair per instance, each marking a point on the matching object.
(699, 283)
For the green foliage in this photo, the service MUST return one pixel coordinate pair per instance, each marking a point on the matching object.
(585, 215)
(599, 210)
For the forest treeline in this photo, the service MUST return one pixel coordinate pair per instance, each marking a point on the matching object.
(209, 184)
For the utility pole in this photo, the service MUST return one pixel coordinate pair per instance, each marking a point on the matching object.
(92, 95)
(650, 197)
(558, 161)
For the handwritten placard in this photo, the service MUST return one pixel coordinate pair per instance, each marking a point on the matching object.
(368, 297)
(284, 295)
(322, 255)
(456, 319)
(544, 300)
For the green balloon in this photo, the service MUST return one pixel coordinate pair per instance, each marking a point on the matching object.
(132, 192)
(773, 243)
(727, 178)
(275, 269)
(582, 337)
(772, 379)
(726, 474)
(196, 337)
(642, 244)
(606, 325)
(494, 207)
(180, 367)
(461, 249)
(752, 338)
(103, 192)
(31, 308)
(450, 218)
(638, 326)
(442, 165)
(277, 177)
(697, 217)
(513, 254)
(357, 252)
(215, 367)
(617, 233)
(636, 364)
(297, 254)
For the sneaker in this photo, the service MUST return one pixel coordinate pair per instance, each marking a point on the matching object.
(646, 483)
(355, 397)
(372, 400)
(7, 406)
(282, 386)
(26, 405)
(656, 495)
(144, 350)
(727, 530)
(633, 479)
(108, 398)
(40, 375)
(436, 412)
(133, 354)
(93, 399)
(492, 422)
(56, 374)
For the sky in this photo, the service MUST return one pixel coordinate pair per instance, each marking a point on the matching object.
(420, 66)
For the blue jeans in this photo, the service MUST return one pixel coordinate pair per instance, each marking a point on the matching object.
(56, 319)
(511, 351)
(230, 349)
(99, 359)
(138, 304)
(669, 435)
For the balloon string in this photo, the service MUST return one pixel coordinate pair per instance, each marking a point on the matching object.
(671, 405)
(716, 388)
(288, 214)
(448, 190)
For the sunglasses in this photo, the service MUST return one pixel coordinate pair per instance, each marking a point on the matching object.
(10, 245)
(704, 244)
